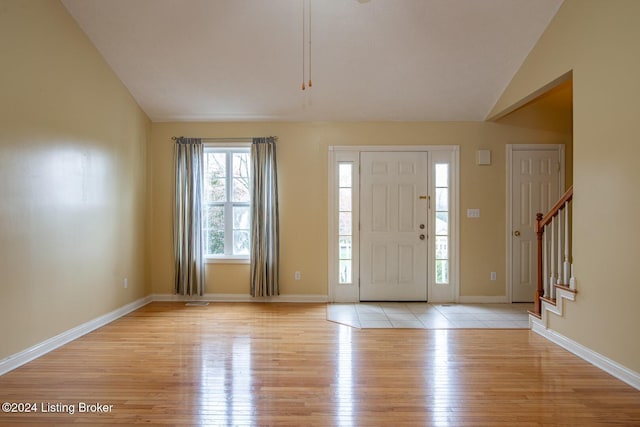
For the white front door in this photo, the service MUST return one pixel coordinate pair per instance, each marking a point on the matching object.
(535, 178)
(393, 226)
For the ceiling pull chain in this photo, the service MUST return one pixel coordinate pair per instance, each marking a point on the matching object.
(310, 83)
(303, 31)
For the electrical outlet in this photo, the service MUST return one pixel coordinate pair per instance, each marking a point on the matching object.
(125, 283)
(297, 275)
(493, 275)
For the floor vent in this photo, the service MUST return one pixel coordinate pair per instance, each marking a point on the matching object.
(197, 303)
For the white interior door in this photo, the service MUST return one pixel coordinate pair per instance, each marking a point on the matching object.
(535, 179)
(393, 208)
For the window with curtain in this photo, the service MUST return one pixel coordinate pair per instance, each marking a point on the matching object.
(226, 208)
(227, 202)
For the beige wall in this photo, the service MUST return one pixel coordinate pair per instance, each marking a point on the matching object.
(72, 179)
(599, 41)
(302, 157)
(551, 111)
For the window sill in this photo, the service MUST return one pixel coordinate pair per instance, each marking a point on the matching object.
(226, 260)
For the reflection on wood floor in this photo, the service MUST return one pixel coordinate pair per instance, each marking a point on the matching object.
(286, 365)
(420, 315)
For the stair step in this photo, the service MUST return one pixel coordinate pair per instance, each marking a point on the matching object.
(566, 288)
(549, 300)
(533, 313)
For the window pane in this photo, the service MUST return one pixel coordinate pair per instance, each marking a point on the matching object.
(214, 242)
(241, 164)
(442, 271)
(345, 272)
(345, 223)
(442, 175)
(241, 190)
(214, 218)
(345, 247)
(241, 183)
(241, 217)
(442, 247)
(344, 204)
(442, 199)
(215, 189)
(215, 164)
(442, 223)
(241, 242)
(344, 174)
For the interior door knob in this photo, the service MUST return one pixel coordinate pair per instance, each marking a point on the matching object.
(516, 233)
(422, 237)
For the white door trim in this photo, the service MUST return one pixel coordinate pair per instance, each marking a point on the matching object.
(561, 182)
(351, 153)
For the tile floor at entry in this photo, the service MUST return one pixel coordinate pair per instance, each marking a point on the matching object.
(430, 316)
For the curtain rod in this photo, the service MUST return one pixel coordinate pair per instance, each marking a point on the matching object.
(248, 138)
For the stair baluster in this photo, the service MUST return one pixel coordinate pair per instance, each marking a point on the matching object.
(554, 254)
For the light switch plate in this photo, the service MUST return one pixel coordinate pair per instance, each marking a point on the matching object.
(473, 213)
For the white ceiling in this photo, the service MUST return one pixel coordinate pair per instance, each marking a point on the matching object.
(221, 60)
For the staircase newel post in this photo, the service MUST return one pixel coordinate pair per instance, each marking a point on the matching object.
(540, 288)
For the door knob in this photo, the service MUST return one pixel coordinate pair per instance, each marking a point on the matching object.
(516, 233)
(422, 237)
(421, 226)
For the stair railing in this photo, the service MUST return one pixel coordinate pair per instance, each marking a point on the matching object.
(554, 251)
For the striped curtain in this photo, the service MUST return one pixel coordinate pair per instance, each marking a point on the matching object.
(265, 239)
(187, 218)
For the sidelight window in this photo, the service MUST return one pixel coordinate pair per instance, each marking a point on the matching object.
(345, 222)
(442, 234)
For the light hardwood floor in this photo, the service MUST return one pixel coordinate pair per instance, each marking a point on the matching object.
(286, 365)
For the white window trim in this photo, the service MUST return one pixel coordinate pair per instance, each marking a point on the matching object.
(437, 154)
(341, 291)
(435, 291)
(227, 259)
(224, 259)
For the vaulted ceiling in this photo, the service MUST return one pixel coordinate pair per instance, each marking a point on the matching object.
(222, 60)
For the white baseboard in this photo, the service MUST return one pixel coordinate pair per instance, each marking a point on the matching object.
(240, 298)
(558, 307)
(617, 370)
(14, 361)
(482, 299)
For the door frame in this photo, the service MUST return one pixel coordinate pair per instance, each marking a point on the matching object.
(351, 153)
(511, 148)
